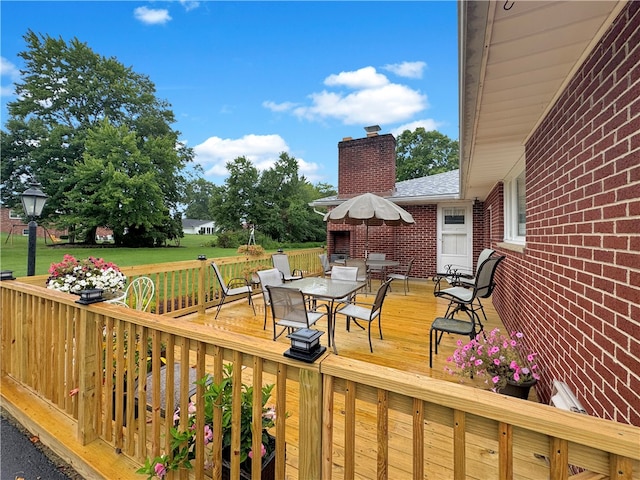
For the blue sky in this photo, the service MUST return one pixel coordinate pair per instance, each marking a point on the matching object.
(255, 79)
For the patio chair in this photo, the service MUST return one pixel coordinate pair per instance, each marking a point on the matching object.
(345, 273)
(367, 312)
(281, 262)
(403, 274)
(326, 266)
(362, 269)
(463, 299)
(373, 270)
(289, 310)
(235, 286)
(268, 277)
(138, 294)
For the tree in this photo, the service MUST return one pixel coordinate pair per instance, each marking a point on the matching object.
(421, 153)
(197, 198)
(66, 93)
(276, 201)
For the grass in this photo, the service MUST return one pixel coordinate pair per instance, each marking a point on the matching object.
(13, 253)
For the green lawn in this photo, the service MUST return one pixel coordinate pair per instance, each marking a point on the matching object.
(13, 253)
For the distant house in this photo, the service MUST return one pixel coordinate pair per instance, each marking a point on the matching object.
(191, 226)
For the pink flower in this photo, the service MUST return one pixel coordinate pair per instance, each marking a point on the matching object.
(160, 470)
(208, 435)
(263, 451)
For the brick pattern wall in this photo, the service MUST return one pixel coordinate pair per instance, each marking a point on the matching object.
(577, 284)
(367, 165)
(16, 226)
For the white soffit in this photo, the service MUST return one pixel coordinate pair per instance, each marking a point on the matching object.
(514, 64)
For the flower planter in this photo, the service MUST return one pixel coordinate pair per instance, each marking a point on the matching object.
(518, 390)
(268, 464)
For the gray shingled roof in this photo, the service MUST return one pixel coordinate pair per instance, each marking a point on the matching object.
(429, 189)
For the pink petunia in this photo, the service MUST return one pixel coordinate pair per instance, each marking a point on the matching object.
(160, 470)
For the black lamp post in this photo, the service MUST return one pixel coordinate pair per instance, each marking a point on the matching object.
(33, 200)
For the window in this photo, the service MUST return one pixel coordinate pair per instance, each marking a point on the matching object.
(515, 203)
(15, 214)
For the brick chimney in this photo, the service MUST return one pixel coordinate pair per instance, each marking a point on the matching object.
(367, 164)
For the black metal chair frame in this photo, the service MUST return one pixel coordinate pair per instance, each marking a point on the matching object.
(356, 310)
(464, 300)
(229, 289)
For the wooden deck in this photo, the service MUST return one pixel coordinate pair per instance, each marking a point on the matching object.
(406, 320)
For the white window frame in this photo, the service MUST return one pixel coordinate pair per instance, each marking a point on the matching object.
(512, 212)
(15, 214)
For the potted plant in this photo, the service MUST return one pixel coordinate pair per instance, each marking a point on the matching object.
(250, 269)
(217, 399)
(510, 369)
(73, 276)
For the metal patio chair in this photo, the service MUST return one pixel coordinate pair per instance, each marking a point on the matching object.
(281, 262)
(403, 275)
(366, 312)
(289, 310)
(235, 286)
(464, 300)
(269, 277)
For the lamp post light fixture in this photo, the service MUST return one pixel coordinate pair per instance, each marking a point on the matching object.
(33, 200)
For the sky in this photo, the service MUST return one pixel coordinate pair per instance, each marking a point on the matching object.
(256, 79)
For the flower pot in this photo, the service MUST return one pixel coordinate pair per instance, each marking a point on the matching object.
(518, 390)
(268, 464)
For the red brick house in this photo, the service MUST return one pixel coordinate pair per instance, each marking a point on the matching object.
(550, 143)
(368, 165)
(550, 166)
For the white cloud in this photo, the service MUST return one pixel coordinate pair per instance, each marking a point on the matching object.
(9, 70)
(262, 150)
(366, 77)
(428, 124)
(362, 96)
(386, 104)
(189, 4)
(278, 107)
(407, 69)
(152, 16)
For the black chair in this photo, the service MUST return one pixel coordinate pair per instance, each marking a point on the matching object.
(403, 275)
(281, 262)
(289, 310)
(235, 286)
(367, 312)
(462, 299)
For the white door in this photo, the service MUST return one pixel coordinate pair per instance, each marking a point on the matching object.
(455, 237)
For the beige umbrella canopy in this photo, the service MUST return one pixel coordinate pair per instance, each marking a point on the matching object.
(369, 209)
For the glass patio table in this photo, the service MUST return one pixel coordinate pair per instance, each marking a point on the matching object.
(320, 288)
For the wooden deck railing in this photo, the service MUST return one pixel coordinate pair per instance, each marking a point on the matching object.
(345, 419)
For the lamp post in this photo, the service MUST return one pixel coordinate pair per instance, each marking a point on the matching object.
(33, 200)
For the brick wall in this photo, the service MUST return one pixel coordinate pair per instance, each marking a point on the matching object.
(16, 226)
(577, 284)
(367, 165)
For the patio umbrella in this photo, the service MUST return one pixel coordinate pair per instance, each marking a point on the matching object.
(369, 209)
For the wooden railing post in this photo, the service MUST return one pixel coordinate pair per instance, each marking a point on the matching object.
(202, 301)
(310, 424)
(88, 374)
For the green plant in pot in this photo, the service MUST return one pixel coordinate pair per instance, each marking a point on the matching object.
(217, 399)
(500, 358)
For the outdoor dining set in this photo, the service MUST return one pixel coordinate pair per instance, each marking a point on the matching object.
(299, 302)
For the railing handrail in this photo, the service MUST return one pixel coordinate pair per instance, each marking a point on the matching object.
(618, 440)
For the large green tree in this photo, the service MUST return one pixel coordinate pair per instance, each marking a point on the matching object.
(65, 95)
(421, 153)
(276, 201)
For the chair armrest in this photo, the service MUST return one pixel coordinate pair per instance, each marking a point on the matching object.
(237, 280)
(353, 303)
